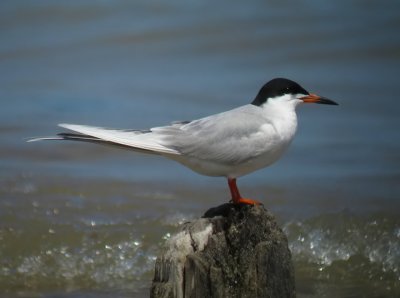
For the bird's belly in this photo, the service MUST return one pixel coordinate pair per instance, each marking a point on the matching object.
(233, 170)
(257, 163)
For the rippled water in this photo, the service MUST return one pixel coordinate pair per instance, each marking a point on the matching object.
(78, 220)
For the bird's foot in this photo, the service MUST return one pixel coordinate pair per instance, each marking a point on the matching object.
(247, 201)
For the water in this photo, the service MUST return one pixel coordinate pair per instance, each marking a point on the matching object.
(78, 220)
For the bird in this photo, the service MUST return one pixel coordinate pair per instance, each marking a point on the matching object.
(229, 144)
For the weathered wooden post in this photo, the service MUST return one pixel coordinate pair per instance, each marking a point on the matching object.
(232, 251)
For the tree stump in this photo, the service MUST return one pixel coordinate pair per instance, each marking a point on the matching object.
(232, 251)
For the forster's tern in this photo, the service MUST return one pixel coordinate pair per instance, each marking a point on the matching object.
(229, 144)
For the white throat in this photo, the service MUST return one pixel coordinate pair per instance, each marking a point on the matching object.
(281, 111)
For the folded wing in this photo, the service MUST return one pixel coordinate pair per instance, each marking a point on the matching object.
(134, 139)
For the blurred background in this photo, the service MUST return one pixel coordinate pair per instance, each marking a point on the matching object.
(79, 220)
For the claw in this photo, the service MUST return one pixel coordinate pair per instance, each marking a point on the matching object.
(247, 202)
(236, 197)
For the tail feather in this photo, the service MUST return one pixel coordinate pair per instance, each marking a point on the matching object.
(128, 139)
(66, 136)
(77, 137)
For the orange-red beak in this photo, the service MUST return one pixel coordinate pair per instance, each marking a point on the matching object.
(314, 98)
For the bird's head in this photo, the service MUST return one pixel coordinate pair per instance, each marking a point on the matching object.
(285, 91)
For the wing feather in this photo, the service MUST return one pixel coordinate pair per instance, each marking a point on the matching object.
(230, 138)
(131, 138)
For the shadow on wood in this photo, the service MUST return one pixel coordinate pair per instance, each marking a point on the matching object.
(232, 251)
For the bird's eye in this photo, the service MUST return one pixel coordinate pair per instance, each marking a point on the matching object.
(285, 90)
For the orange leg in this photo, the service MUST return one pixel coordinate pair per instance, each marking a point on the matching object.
(236, 197)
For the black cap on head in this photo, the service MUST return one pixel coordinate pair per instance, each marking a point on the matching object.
(277, 87)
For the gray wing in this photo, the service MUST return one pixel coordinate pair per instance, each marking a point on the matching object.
(229, 138)
(144, 141)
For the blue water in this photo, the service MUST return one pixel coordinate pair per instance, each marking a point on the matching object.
(142, 64)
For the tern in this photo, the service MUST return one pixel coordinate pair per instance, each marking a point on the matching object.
(230, 144)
